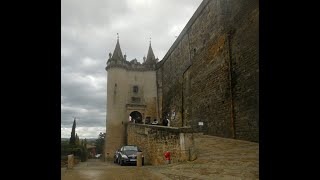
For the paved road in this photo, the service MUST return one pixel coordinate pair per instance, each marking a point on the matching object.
(95, 169)
(218, 158)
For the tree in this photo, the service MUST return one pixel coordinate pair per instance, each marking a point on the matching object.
(85, 150)
(85, 143)
(77, 139)
(100, 143)
(73, 133)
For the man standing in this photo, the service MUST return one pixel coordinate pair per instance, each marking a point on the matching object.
(164, 122)
(155, 122)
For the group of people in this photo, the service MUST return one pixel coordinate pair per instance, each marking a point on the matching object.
(165, 122)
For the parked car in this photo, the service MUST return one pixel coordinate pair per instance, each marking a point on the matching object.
(127, 155)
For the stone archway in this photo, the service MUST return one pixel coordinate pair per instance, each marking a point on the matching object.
(136, 117)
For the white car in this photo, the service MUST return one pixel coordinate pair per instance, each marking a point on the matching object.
(98, 155)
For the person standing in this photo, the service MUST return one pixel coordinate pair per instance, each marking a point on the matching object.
(155, 122)
(164, 122)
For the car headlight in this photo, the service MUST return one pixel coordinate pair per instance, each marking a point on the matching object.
(124, 156)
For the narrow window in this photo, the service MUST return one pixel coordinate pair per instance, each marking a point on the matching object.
(135, 89)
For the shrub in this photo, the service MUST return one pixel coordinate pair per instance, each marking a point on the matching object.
(76, 150)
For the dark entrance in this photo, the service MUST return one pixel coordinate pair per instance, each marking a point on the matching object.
(136, 117)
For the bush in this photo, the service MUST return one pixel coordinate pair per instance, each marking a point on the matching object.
(76, 150)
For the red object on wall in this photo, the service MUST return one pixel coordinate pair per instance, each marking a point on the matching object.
(167, 155)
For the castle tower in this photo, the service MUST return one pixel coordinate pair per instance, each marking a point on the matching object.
(131, 95)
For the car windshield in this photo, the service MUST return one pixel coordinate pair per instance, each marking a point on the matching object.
(130, 148)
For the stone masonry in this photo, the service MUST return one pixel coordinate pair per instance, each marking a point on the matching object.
(211, 72)
(154, 141)
(131, 92)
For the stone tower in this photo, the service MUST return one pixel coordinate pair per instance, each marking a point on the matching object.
(131, 96)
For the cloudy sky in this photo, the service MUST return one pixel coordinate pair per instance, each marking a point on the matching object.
(89, 32)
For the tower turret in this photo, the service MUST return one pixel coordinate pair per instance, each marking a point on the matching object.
(117, 83)
(150, 56)
(117, 53)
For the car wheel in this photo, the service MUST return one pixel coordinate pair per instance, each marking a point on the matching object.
(121, 162)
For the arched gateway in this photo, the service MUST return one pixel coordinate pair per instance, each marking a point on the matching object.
(136, 117)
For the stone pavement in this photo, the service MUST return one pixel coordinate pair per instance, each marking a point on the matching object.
(95, 169)
(218, 158)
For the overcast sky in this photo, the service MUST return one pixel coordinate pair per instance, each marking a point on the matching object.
(89, 32)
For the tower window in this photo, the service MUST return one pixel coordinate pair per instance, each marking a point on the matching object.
(135, 89)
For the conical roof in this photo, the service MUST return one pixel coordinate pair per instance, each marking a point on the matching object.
(150, 55)
(117, 53)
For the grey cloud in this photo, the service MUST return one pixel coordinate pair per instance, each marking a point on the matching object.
(93, 12)
(83, 132)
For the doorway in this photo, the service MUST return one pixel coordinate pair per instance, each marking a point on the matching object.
(136, 117)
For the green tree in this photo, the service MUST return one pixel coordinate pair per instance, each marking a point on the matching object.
(85, 143)
(100, 143)
(77, 139)
(73, 133)
(85, 150)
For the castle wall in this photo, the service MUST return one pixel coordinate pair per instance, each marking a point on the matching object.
(159, 92)
(146, 81)
(121, 101)
(154, 141)
(210, 74)
(116, 110)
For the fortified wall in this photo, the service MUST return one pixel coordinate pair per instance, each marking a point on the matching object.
(210, 75)
(155, 140)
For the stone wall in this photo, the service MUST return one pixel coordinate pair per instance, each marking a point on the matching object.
(211, 72)
(120, 104)
(154, 141)
(117, 90)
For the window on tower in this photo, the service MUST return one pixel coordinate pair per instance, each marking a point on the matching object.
(135, 89)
